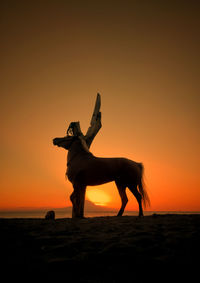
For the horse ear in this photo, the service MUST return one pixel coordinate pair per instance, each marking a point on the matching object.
(74, 129)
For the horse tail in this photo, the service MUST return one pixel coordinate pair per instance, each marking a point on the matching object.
(141, 187)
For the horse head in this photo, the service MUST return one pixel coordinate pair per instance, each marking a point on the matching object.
(64, 142)
(73, 133)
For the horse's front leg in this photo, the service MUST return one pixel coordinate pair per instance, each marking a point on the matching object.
(78, 200)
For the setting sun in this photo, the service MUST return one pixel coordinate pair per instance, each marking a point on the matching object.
(98, 197)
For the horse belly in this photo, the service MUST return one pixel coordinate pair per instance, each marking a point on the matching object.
(98, 180)
(99, 173)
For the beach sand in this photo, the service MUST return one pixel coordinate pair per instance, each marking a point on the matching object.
(160, 248)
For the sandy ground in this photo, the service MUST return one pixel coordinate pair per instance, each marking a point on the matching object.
(160, 248)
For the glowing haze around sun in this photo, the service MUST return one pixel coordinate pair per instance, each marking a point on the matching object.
(98, 197)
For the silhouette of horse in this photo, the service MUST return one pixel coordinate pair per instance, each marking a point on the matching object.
(84, 169)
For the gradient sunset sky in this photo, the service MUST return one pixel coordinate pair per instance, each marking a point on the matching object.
(141, 56)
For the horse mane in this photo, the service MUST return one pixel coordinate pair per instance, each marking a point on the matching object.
(84, 145)
(75, 131)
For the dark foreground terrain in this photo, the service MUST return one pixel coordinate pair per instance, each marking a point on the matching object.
(157, 248)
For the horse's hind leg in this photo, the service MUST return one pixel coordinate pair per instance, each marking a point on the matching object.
(122, 192)
(138, 197)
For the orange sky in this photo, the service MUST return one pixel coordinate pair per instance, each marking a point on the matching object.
(142, 56)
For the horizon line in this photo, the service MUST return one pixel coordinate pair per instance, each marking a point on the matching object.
(26, 209)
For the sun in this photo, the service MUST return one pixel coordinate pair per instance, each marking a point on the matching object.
(98, 197)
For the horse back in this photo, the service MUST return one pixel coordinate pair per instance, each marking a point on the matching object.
(94, 171)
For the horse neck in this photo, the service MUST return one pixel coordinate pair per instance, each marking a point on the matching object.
(76, 149)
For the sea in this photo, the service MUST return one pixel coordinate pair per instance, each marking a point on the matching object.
(66, 213)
